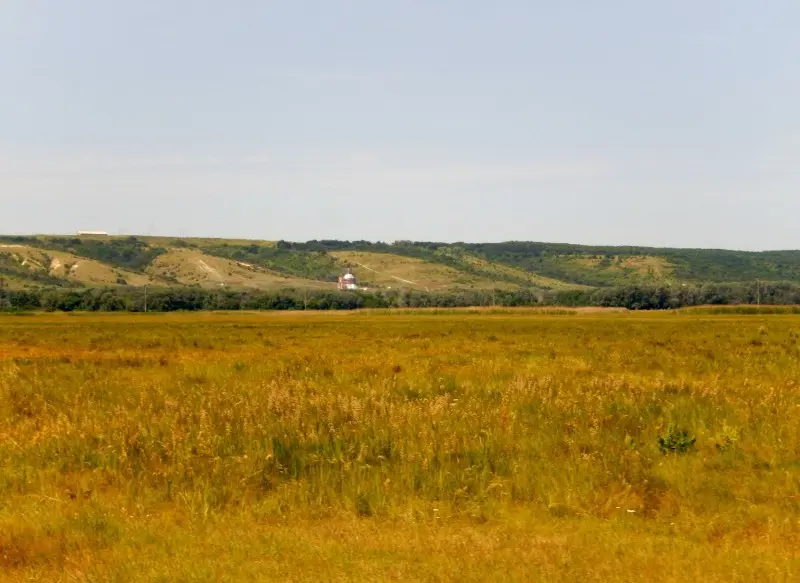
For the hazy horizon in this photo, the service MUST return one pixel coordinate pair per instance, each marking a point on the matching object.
(387, 241)
(616, 124)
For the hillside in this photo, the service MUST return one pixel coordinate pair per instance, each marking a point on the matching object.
(55, 261)
(60, 268)
(599, 266)
(192, 267)
(391, 270)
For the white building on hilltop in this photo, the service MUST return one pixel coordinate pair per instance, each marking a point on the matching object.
(347, 281)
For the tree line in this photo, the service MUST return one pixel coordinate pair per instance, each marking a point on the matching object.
(633, 297)
(119, 299)
(664, 297)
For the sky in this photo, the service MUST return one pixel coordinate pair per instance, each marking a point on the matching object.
(622, 122)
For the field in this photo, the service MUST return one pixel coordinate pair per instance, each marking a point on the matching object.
(408, 446)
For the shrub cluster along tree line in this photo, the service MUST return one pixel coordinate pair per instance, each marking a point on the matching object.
(636, 297)
(195, 299)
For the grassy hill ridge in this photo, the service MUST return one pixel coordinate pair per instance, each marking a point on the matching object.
(36, 261)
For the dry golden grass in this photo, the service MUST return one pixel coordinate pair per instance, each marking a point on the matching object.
(650, 266)
(644, 266)
(515, 445)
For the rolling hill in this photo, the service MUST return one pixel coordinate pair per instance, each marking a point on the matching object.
(391, 270)
(92, 261)
(47, 265)
(181, 266)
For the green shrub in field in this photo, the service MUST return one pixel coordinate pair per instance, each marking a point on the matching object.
(728, 438)
(674, 441)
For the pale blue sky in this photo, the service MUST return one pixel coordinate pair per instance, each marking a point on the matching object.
(616, 122)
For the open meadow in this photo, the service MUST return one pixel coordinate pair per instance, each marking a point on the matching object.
(408, 446)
